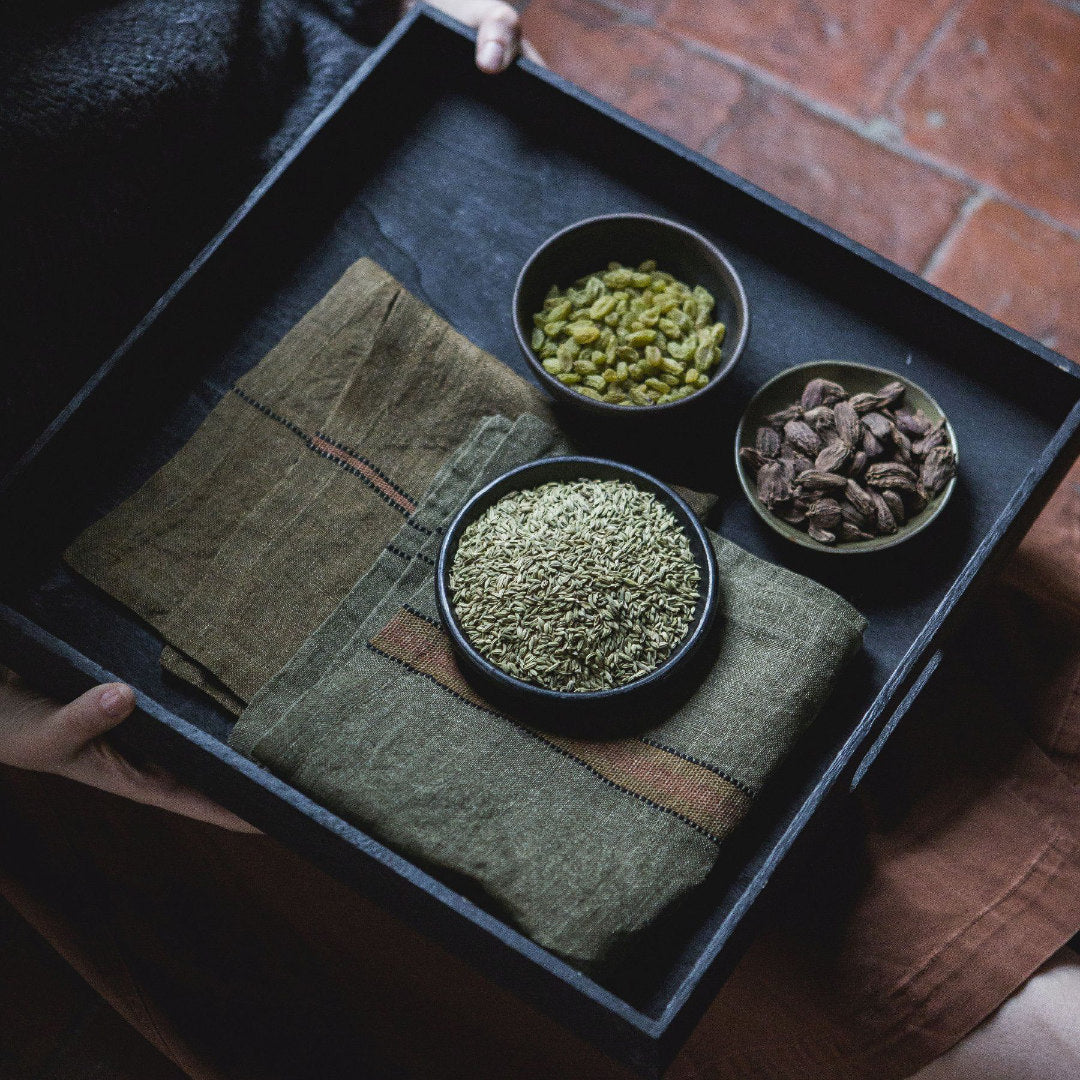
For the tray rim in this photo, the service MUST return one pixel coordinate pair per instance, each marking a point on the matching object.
(673, 1021)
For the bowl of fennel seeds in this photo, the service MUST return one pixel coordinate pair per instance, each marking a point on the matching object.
(577, 590)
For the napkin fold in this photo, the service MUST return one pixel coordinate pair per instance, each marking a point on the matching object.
(252, 534)
(581, 843)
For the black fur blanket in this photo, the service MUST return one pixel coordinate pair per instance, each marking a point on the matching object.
(129, 130)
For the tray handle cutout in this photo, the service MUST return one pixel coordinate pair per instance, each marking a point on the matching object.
(933, 661)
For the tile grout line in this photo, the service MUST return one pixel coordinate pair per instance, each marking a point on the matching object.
(1044, 217)
(972, 203)
(925, 51)
(740, 115)
(880, 131)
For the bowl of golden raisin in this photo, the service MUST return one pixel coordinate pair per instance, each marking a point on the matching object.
(629, 312)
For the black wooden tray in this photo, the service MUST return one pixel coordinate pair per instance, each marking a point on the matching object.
(450, 179)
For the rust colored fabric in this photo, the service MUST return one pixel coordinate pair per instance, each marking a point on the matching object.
(954, 877)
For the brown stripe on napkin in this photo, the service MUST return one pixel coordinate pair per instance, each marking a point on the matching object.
(341, 455)
(697, 793)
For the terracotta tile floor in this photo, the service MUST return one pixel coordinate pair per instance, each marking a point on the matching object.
(941, 133)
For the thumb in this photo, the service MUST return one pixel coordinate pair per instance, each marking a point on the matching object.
(79, 753)
(91, 715)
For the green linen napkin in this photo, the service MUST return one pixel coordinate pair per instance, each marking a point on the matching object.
(296, 533)
(581, 843)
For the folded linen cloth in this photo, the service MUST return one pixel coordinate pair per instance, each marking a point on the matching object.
(581, 843)
(253, 533)
(290, 534)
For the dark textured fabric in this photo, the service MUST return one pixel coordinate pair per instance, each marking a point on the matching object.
(129, 131)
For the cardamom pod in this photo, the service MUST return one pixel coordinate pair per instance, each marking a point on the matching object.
(863, 403)
(821, 392)
(914, 424)
(918, 500)
(832, 457)
(886, 474)
(934, 438)
(767, 442)
(794, 513)
(752, 458)
(938, 469)
(772, 488)
(816, 480)
(849, 532)
(877, 425)
(902, 444)
(892, 392)
(895, 505)
(867, 522)
(859, 497)
(822, 536)
(779, 419)
(824, 514)
(886, 523)
(799, 462)
(870, 446)
(821, 417)
(803, 437)
(846, 421)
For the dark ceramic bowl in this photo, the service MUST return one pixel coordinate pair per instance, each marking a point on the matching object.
(590, 712)
(785, 388)
(587, 247)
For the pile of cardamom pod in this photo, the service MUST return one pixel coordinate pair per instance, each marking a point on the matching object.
(849, 467)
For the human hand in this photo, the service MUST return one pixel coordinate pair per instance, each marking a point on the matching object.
(498, 31)
(43, 736)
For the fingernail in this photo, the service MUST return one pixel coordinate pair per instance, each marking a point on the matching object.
(115, 701)
(490, 56)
